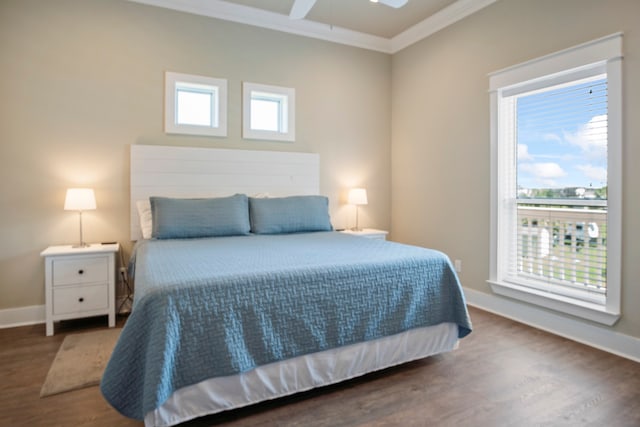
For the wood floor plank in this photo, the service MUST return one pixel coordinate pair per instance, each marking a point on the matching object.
(503, 374)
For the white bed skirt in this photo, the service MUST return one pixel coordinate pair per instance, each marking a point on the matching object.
(302, 373)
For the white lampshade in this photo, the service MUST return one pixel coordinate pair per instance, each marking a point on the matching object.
(80, 199)
(357, 196)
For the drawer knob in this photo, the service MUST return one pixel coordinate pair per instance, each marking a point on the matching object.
(81, 299)
(80, 271)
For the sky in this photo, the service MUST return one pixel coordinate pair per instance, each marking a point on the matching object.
(562, 137)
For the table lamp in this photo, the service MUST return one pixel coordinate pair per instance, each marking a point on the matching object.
(357, 196)
(80, 199)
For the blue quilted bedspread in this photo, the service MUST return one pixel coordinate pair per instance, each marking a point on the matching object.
(214, 307)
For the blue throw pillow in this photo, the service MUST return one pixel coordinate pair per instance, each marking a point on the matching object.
(294, 214)
(188, 218)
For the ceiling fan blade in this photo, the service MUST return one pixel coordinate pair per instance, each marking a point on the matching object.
(394, 3)
(300, 8)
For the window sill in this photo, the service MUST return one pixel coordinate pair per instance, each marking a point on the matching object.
(559, 303)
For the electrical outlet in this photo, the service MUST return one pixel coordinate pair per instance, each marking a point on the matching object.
(458, 265)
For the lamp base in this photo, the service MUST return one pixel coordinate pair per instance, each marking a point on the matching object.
(356, 228)
(82, 243)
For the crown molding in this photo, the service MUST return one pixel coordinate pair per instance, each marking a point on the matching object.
(436, 22)
(220, 9)
(274, 21)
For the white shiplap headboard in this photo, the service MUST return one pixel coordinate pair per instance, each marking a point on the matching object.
(207, 172)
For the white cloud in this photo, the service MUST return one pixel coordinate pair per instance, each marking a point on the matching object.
(544, 174)
(523, 153)
(552, 137)
(591, 138)
(594, 173)
(544, 170)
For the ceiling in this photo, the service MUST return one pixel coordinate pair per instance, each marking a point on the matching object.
(359, 15)
(359, 23)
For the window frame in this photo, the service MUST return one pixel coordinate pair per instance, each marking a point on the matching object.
(284, 96)
(570, 64)
(216, 87)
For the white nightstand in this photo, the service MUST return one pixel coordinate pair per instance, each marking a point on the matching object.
(80, 282)
(370, 233)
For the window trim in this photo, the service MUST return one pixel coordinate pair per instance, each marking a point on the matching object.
(287, 107)
(216, 87)
(606, 51)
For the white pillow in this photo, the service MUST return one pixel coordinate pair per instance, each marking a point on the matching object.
(146, 219)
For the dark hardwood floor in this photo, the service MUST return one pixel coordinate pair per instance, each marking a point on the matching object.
(503, 374)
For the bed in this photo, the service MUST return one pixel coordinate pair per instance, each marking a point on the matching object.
(267, 302)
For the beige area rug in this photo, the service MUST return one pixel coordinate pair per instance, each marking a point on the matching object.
(80, 361)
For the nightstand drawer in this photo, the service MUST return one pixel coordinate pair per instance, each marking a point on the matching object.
(80, 270)
(79, 299)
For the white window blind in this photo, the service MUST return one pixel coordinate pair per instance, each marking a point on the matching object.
(558, 236)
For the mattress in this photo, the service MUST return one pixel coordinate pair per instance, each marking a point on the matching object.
(224, 307)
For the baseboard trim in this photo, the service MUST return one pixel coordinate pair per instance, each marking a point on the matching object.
(35, 314)
(595, 336)
(22, 316)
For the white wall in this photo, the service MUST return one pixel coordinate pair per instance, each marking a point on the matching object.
(440, 136)
(82, 81)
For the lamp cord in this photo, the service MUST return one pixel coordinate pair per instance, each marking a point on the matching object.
(125, 280)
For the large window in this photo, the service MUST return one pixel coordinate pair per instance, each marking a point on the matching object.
(556, 181)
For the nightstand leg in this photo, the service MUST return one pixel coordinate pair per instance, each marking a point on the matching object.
(49, 327)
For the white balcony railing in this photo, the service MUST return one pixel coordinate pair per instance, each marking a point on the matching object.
(563, 246)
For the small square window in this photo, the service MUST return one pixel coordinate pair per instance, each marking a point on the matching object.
(195, 105)
(195, 108)
(268, 112)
